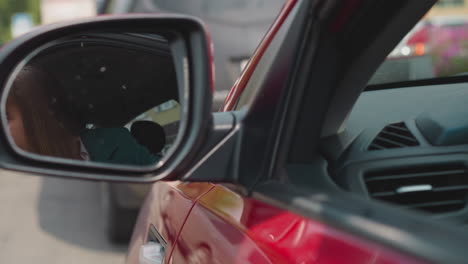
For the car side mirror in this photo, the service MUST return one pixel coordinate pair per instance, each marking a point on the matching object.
(70, 94)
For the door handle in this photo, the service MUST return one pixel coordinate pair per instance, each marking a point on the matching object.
(153, 251)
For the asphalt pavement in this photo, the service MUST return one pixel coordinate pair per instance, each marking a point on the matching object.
(53, 220)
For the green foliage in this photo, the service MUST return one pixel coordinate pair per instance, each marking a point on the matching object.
(455, 65)
(10, 7)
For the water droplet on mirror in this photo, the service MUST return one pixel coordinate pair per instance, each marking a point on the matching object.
(103, 69)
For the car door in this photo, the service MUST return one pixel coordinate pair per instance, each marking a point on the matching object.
(227, 227)
(279, 219)
(224, 227)
(215, 228)
(162, 216)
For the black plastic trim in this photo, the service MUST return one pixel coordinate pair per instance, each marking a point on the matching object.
(218, 159)
(351, 176)
(413, 83)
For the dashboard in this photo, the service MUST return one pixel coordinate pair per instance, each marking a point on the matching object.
(407, 147)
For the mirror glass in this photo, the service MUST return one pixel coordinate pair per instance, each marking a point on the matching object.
(101, 97)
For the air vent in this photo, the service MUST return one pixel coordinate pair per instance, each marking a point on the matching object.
(435, 189)
(394, 136)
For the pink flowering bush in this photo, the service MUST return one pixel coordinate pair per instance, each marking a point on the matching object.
(449, 49)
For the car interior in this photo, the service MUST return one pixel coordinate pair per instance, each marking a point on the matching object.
(405, 146)
(404, 141)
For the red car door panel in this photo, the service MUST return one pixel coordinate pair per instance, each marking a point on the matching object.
(224, 227)
(216, 235)
(166, 208)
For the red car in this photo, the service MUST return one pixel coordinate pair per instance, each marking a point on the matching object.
(303, 166)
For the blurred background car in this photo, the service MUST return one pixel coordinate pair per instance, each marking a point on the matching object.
(236, 28)
(436, 47)
(410, 59)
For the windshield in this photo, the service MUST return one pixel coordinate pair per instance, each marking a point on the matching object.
(436, 47)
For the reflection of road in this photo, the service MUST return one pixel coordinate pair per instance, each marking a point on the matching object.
(49, 220)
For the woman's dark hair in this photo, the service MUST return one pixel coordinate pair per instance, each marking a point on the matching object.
(45, 134)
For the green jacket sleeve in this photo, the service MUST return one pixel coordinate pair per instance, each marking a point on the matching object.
(116, 145)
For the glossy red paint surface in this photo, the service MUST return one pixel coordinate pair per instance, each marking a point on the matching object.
(224, 227)
(166, 207)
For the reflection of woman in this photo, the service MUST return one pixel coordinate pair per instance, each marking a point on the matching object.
(35, 127)
(32, 124)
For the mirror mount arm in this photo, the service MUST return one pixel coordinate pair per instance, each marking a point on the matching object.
(217, 161)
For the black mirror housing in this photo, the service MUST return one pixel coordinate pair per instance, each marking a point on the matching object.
(191, 49)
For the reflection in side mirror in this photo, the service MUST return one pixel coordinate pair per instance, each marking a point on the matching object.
(97, 97)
